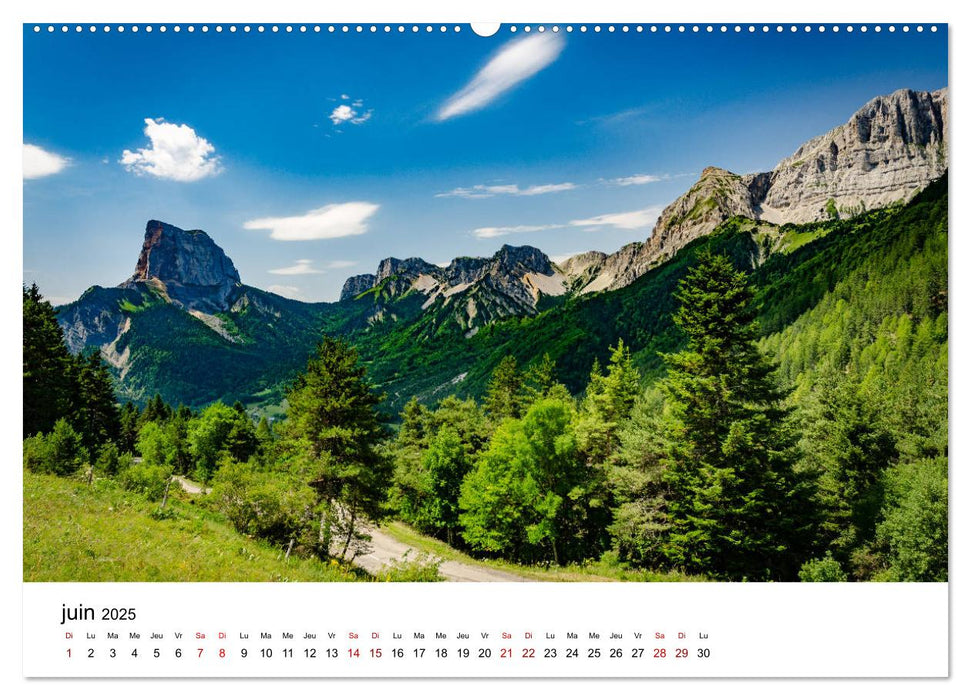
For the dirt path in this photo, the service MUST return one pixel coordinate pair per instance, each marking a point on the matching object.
(385, 548)
(190, 486)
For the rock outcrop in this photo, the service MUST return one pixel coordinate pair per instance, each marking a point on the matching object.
(893, 147)
(356, 285)
(186, 267)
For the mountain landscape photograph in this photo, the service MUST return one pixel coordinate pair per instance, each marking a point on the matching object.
(545, 306)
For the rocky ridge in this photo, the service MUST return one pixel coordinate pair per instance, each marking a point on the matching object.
(473, 291)
(890, 149)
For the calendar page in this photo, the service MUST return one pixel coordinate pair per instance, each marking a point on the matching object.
(514, 350)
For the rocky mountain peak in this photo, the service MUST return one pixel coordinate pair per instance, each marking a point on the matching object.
(522, 259)
(410, 268)
(186, 266)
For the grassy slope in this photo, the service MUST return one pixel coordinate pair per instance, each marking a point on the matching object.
(76, 532)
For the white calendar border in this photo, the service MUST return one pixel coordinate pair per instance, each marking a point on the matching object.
(507, 10)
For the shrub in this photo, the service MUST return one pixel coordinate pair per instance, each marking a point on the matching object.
(271, 505)
(146, 479)
(423, 568)
(820, 570)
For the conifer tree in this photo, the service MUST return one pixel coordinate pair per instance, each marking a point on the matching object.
(738, 509)
(608, 403)
(95, 414)
(156, 410)
(47, 381)
(539, 380)
(128, 425)
(333, 426)
(504, 396)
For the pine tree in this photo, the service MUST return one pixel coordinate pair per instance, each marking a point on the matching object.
(333, 426)
(179, 433)
(95, 414)
(504, 396)
(46, 361)
(539, 380)
(738, 509)
(608, 403)
(848, 444)
(156, 410)
(128, 422)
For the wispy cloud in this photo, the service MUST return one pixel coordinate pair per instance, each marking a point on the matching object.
(300, 267)
(486, 191)
(518, 60)
(176, 153)
(305, 267)
(628, 221)
(41, 163)
(640, 179)
(614, 117)
(496, 231)
(331, 221)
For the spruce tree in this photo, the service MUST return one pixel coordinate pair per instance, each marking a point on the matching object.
(738, 509)
(504, 396)
(333, 427)
(94, 414)
(129, 422)
(608, 403)
(46, 361)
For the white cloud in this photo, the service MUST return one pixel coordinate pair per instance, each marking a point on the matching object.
(496, 231)
(331, 221)
(41, 163)
(176, 153)
(286, 291)
(517, 61)
(627, 220)
(300, 267)
(305, 267)
(341, 114)
(349, 113)
(637, 180)
(486, 191)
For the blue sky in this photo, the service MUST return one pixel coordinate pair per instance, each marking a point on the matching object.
(309, 157)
